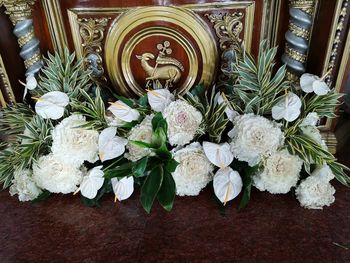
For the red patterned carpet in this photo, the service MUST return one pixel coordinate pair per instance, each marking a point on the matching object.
(273, 228)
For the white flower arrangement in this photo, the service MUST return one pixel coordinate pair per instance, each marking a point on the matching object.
(280, 173)
(194, 171)
(261, 133)
(183, 122)
(315, 192)
(73, 143)
(24, 186)
(55, 175)
(254, 137)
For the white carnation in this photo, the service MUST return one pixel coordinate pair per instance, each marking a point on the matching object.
(280, 173)
(183, 122)
(73, 143)
(56, 176)
(315, 191)
(24, 186)
(194, 171)
(254, 137)
(141, 132)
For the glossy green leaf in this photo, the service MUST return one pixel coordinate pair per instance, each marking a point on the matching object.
(247, 185)
(119, 171)
(171, 165)
(140, 167)
(150, 187)
(166, 194)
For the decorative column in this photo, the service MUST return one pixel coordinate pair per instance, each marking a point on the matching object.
(297, 37)
(20, 14)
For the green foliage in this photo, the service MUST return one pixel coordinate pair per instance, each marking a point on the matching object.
(215, 121)
(13, 119)
(311, 152)
(92, 109)
(63, 74)
(324, 106)
(10, 160)
(257, 91)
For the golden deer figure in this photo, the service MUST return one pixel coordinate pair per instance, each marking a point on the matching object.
(171, 72)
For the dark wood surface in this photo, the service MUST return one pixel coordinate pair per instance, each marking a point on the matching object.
(273, 228)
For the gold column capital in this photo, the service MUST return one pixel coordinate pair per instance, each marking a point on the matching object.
(18, 10)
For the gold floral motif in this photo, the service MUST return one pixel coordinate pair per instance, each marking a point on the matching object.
(308, 6)
(92, 33)
(228, 28)
(299, 31)
(292, 53)
(4, 80)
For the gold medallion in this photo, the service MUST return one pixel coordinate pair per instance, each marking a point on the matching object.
(152, 46)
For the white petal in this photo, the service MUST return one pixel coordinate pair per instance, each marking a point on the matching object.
(51, 105)
(159, 99)
(227, 184)
(320, 87)
(109, 145)
(31, 82)
(311, 119)
(287, 108)
(92, 182)
(123, 188)
(230, 112)
(306, 81)
(123, 111)
(218, 154)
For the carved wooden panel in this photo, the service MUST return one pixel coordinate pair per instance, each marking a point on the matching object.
(120, 40)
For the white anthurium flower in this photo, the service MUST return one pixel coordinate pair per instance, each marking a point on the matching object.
(91, 183)
(123, 112)
(122, 188)
(110, 146)
(288, 108)
(51, 105)
(31, 84)
(230, 112)
(227, 184)
(312, 83)
(218, 154)
(159, 99)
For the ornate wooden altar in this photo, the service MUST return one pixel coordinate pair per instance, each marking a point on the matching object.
(126, 43)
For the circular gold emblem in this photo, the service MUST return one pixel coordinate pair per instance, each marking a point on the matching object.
(163, 45)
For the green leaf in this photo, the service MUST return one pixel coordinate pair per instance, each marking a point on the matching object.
(171, 165)
(119, 171)
(166, 194)
(127, 101)
(142, 144)
(42, 197)
(150, 187)
(139, 169)
(143, 101)
(247, 186)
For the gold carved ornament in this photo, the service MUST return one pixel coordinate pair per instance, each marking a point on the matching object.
(18, 10)
(166, 68)
(91, 31)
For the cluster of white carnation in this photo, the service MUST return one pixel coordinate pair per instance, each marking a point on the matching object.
(280, 173)
(61, 171)
(183, 122)
(194, 171)
(254, 137)
(316, 191)
(141, 132)
(24, 186)
(73, 143)
(56, 176)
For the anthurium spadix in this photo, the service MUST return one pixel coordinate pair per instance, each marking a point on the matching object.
(287, 108)
(91, 183)
(122, 188)
(159, 99)
(227, 184)
(218, 154)
(123, 112)
(312, 83)
(51, 105)
(110, 146)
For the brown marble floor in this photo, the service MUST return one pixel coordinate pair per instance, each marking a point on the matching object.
(273, 228)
